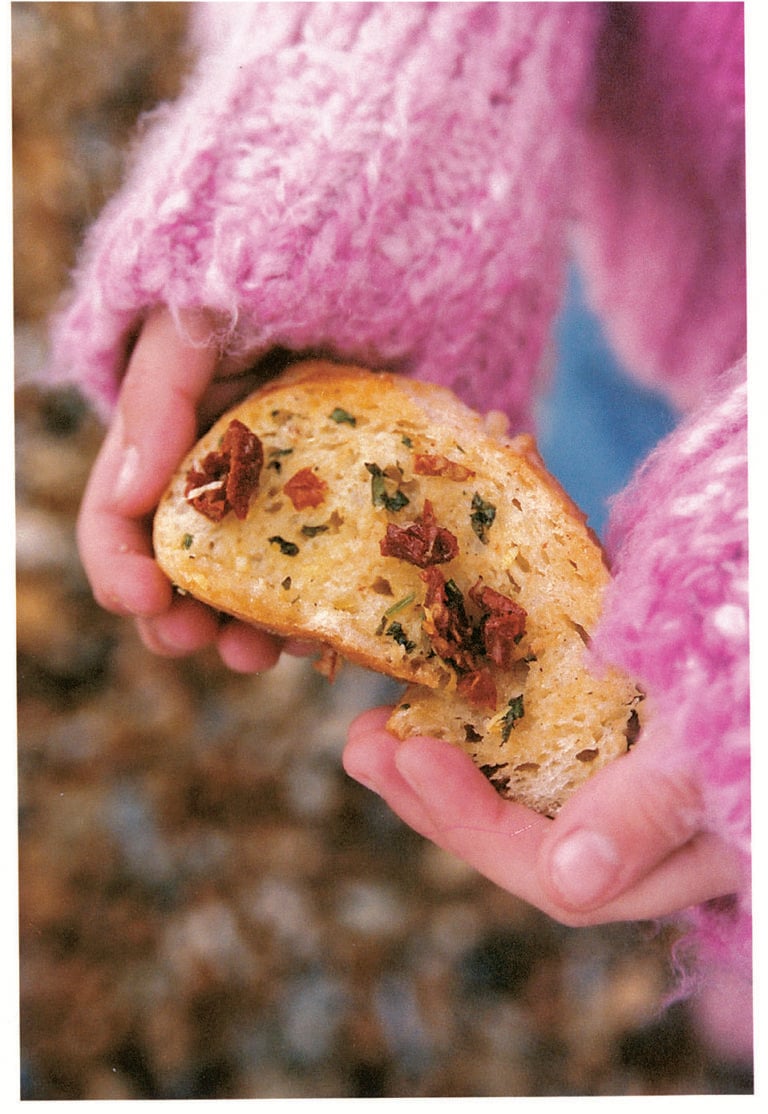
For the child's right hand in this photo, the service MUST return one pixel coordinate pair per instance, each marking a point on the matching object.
(633, 843)
(173, 386)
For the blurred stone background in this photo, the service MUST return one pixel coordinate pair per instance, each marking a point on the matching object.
(209, 907)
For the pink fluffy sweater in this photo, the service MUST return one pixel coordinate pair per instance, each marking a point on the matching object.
(403, 185)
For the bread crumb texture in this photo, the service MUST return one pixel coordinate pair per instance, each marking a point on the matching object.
(389, 525)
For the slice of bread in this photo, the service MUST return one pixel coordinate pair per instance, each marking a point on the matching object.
(381, 517)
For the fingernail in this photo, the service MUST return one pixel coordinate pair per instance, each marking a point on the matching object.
(363, 777)
(127, 473)
(584, 867)
(368, 783)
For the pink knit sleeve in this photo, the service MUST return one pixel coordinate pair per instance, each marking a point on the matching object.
(661, 192)
(676, 618)
(387, 182)
(661, 237)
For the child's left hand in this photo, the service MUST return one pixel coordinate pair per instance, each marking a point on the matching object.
(174, 386)
(630, 844)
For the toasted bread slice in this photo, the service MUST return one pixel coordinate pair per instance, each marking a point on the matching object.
(380, 516)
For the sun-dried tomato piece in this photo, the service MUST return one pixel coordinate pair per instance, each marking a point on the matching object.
(423, 543)
(435, 464)
(246, 458)
(206, 488)
(227, 478)
(454, 639)
(479, 688)
(501, 640)
(501, 626)
(470, 647)
(305, 489)
(446, 623)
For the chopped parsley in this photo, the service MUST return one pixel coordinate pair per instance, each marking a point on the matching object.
(290, 549)
(274, 455)
(339, 415)
(514, 712)
(396, 632)
(313, 531)
(393, 610)
(482, 517)
(380, 495)
(186, 541)
(454, 594)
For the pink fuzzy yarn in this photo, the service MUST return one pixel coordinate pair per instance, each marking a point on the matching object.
(676, 618)
(389, 182)
(662, 234)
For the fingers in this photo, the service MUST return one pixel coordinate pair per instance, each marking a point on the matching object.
(630, 849)
(155, 424)
(244, 649)
(369, 758)
(437, 790)
(636, 827)
(499, 838)
(185, 627)
(702, 869)
(157, 410)
(188, 626)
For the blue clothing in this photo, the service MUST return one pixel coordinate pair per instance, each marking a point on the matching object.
(596, 423)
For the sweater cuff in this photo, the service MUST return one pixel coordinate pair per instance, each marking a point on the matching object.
(386, 183)
(676, 619)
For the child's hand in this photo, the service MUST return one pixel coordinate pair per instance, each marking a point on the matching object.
(629, 845)
(171, 385)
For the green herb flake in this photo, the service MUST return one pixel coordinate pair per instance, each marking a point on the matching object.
(313, 531)
(274, 458)
(407, 441)
(339, 415)
(396, 632)
(455, 597)
(290, 549)
(380, 495)
(482, 517)
(186, 541)
(515, 711)
(393, 610)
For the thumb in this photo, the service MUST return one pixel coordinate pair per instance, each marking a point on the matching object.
(624, 822)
